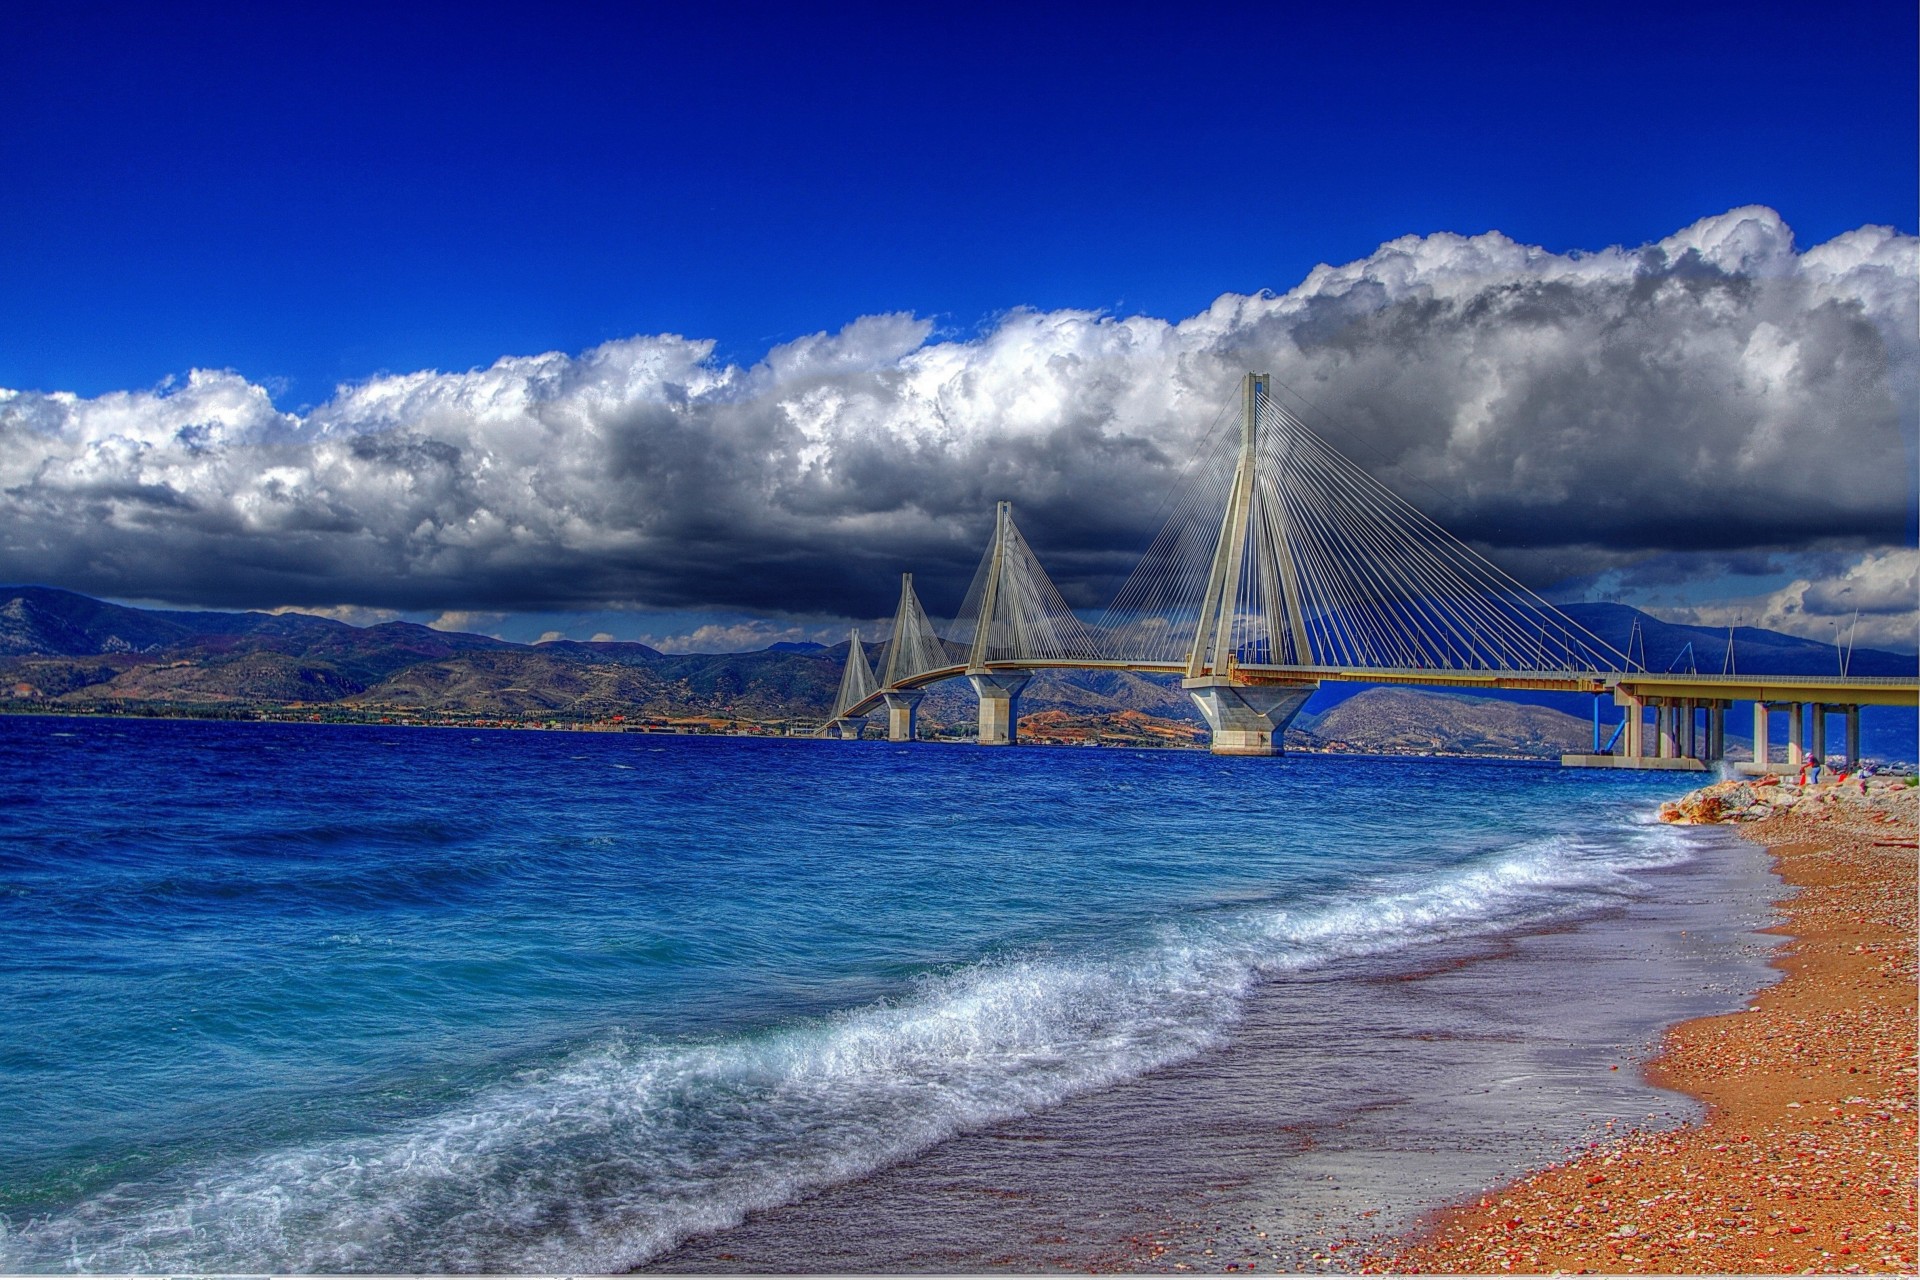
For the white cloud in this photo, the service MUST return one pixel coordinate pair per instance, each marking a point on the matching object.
(1881, 588)
(1717, 389)
(467, 620)
(352, 614)
(748, 636)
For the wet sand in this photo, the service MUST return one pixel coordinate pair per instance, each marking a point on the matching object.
(1805, 1161)
(1348, 1101)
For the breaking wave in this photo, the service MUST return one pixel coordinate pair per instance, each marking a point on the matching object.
(630, 1145)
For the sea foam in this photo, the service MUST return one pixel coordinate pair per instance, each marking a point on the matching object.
(630, 1144)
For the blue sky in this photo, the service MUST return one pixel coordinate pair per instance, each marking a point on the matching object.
(311, 196)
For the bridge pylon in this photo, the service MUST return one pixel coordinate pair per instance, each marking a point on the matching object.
(1013, 616)
(857, 685)
(999, 694)
(914, 649)
(1245, 717)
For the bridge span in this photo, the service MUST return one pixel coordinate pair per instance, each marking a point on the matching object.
(1295, 568)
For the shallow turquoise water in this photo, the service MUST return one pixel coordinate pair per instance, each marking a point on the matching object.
(296, 998)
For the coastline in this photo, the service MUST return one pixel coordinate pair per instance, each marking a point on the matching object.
(1806, 1157)
(1347, 1103)
(1335, 1103)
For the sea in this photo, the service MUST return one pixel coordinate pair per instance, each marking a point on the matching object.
(306, 998)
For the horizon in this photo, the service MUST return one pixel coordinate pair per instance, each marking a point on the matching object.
(876, 636)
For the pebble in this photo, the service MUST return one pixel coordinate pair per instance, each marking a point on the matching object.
(1806, 1162)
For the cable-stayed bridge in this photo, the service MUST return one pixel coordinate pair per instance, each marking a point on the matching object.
(1282, 565)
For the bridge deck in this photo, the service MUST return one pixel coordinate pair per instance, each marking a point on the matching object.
(1834, 690)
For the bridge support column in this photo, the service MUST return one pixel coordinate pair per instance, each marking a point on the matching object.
(999, 707)
(903, 715)
(1689, 743)
(1796, 735)
(1247, 719)
(1762, 717)
(1666, 720)
(1853, 737)
(851, 728)
(1820, 732)
(1716, 730)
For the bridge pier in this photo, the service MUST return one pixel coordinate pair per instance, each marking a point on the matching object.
(999, 695)
(1671, 738)
(1853, 737)
(852, 727)
(1247, 719)
(1796, 735)
(903, 715)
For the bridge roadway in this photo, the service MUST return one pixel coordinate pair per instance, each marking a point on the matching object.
(1674, 697)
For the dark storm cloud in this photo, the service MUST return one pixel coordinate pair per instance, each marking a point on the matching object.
(1717, 392)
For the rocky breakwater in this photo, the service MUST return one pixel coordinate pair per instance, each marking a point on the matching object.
(1864, 804)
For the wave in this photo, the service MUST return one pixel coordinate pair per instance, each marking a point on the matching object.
(630, 1146)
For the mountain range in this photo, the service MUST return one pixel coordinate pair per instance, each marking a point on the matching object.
(61, 651)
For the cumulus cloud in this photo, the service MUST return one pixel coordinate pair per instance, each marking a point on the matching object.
(1720, 389)
(748, 636)
(469, 621)
(1873, 599)
(352, 614)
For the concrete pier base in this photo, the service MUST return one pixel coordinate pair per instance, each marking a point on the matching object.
(1674, 764)
(903, 715)
(1666, 718)
(1634, 742)
(850, 730)
(999, 707)
(1247, 719)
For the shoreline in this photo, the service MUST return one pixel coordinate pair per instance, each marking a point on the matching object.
(1806, 1157)
(1333, 1118)
(301, 722)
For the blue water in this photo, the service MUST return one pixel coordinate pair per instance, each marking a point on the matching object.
(319, 998)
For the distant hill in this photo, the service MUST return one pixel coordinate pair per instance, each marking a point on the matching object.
(1756, 651)
(59, 649)
(62, 649)
(626, 652)
(1395, 719)
(47, 621)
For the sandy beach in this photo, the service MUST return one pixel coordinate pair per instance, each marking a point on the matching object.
(1806, 1160)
